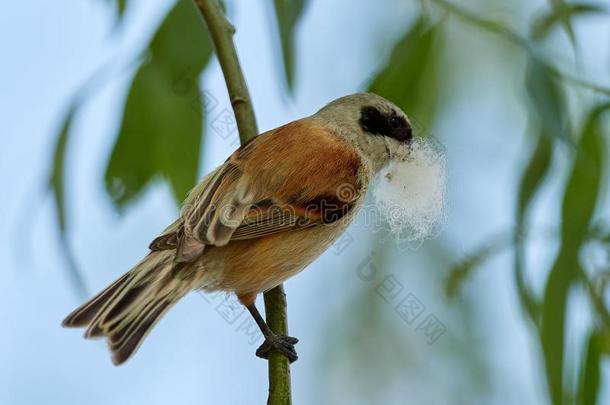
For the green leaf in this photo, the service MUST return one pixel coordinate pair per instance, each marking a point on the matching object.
(534, 175)
(548, 99)
(531, 181)
(409, 78)
(56, 181)
(121, 5)
(590, 371)
(160, 134)
(56, 186)
(582, 191)
(287, 13)
(561, 14)
(579, 203)
(464, 269)
(561, 9)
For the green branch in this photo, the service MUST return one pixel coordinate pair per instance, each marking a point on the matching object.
(279, 367)
(222, 32)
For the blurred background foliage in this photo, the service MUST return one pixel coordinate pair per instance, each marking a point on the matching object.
(160, 137)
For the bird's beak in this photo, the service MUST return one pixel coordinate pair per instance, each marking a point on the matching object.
(403, 151)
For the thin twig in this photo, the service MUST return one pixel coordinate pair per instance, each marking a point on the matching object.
(222, 32)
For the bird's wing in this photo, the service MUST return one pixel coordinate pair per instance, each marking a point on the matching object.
(296, 176)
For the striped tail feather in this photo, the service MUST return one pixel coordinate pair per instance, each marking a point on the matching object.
(127, 310)
(83, 315)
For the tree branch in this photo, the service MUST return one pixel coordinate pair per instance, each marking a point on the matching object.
(279, 367)
(222, 32)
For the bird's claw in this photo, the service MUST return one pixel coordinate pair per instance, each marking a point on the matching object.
(282, 344)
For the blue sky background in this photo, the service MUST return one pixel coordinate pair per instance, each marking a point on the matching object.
(194, 356)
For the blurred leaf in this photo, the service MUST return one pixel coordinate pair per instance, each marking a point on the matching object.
(548, 99)
(590, 371)
(57, 180)
(579, 203)
(121, 5)
(410, 75)
(562, 14)
(581, 194)
(601, 232)
(561, 9)
(56, 183)
(288, 13)
(161, 131)
(462, 270)
(596, 287)
(533, 177)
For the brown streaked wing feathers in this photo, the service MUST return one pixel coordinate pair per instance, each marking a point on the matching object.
(291, 166)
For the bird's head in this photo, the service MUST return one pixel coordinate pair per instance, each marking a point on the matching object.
(375, 126)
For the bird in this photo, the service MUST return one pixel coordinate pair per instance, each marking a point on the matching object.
(266, 213)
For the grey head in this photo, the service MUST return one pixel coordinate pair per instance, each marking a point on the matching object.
(374, 125)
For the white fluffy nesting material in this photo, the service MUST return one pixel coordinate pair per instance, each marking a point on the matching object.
(411, 192)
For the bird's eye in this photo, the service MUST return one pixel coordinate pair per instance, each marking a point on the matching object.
(394, 122)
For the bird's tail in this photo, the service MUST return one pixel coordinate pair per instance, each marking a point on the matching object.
(127, 310)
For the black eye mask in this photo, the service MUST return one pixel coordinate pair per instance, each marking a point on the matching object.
(391, 125)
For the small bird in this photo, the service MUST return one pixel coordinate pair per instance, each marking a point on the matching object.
(266, 213)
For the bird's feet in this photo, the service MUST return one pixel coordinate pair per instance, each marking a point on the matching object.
(283, 344)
